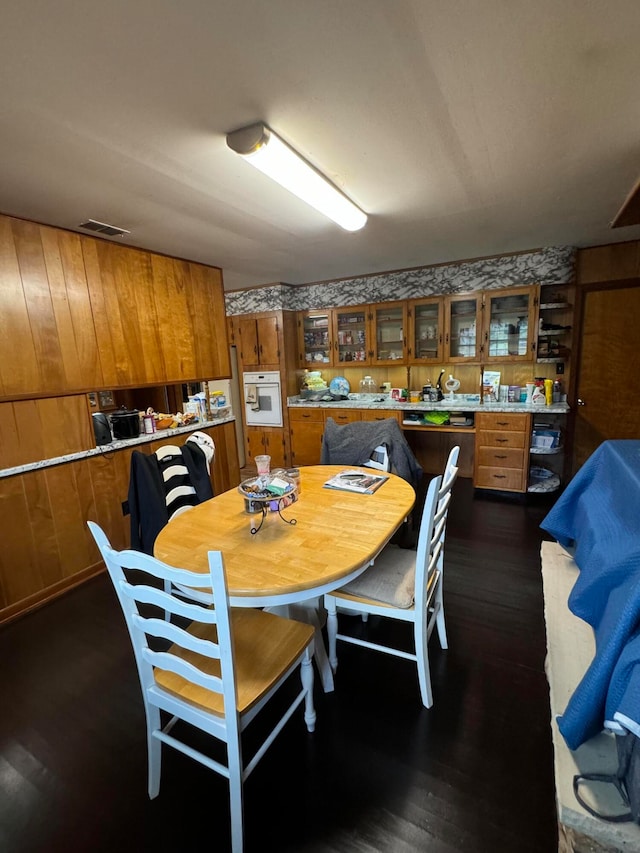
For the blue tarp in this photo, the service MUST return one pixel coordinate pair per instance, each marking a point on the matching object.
(599, 517)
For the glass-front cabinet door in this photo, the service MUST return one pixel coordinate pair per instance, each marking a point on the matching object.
(508, 324)
(351, 335)
(315, 343)
(463, 322)
(389, 332)
(426, 330)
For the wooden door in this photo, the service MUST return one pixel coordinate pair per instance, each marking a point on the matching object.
(268, 346)
(255, 439)
(608, 405)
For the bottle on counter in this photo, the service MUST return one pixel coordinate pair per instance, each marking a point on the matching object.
(557, 391)
(439, 386)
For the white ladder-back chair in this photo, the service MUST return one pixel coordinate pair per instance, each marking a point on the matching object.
(405, 585)
(216, 674)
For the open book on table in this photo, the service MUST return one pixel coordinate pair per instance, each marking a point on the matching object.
(351, 480)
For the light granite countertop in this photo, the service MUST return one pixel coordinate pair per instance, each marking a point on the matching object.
(461, 403)
(120, 444)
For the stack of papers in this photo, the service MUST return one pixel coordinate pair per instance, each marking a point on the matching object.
(356, 481)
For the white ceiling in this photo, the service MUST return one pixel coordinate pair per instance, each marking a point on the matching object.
(463, 128)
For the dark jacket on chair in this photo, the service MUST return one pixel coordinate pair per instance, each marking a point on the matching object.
(353, 444)
(147, 494)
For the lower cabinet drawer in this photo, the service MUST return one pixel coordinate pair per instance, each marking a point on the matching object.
(491, 438)
(501, 457)
(342, 416)
(311, 415)
(506, 479)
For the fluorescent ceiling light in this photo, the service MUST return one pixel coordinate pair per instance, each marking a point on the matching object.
(267, 152)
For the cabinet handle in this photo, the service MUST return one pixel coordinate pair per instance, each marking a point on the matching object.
(500, 476)
(502, 423)
(486, 336)
(499, 456)
(440, 339)
(502, 440)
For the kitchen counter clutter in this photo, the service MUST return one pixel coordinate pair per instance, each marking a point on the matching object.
(105, 449)
(460, 402)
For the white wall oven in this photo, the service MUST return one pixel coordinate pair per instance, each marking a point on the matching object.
(262, 400)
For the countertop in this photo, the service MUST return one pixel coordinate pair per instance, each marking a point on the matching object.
(462, 403)
(144, 438)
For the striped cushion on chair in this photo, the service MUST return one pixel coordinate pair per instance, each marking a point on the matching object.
(180, 494)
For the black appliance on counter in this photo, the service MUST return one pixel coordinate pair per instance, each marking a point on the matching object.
(125, 423)
(101, 428)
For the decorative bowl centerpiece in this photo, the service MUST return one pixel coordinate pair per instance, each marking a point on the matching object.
(268, 492)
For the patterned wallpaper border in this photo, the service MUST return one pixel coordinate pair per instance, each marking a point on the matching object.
(545, 266)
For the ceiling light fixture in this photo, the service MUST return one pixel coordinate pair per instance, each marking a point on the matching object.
(267, 152)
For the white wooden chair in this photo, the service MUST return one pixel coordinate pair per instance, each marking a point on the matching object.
(405, 585)
(216, 674)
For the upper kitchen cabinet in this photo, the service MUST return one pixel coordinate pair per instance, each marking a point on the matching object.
(463, 325)
(508, 332)
(351, 335)
(426, 330)
(79, 313)
(258, 341)
(315, 338)
(389, 332)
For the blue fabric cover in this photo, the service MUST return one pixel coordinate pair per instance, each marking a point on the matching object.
(599, 515)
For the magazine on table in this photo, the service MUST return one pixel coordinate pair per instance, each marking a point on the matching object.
(362, 482)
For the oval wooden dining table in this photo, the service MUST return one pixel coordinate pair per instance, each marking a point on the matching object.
(336, 536)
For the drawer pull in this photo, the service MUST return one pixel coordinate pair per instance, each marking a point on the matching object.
(500, 476)
(502, 423)
(502, 440)
(499, 456)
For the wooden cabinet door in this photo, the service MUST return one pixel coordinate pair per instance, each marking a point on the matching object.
(274, 445)
(426, 330)
(269, 440)
(351, 335)
(268, 345)
(247, 340)
(463, 327)
(389, 333)
(255, 442)
(306, 431)
(508, 324)
(315, 339)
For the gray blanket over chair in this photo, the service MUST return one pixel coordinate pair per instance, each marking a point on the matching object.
(353, 443)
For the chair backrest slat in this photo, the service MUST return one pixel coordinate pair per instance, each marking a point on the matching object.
(183, 668)
(164, 630)
(149, 595)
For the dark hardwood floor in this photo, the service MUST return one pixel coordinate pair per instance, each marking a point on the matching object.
(381, 773)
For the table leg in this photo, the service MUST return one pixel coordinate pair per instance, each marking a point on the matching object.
(310, 613)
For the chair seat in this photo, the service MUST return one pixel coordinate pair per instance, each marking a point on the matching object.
(264, 646)
(391, 580)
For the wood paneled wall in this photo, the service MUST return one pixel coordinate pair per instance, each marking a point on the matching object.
(31, 430)
(613, 262)
(46, 545)
(79, 313)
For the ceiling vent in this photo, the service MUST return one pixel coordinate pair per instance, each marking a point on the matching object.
(103, 228)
